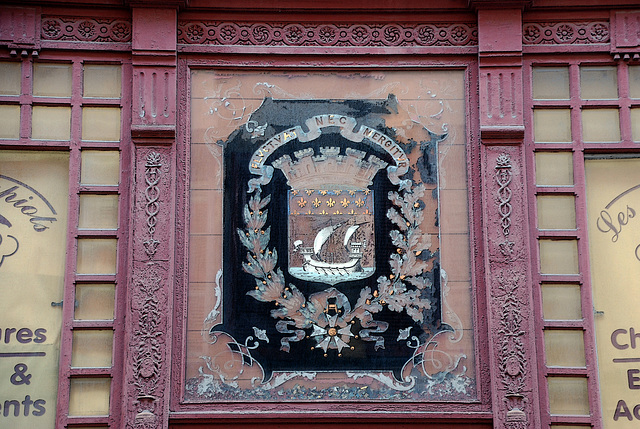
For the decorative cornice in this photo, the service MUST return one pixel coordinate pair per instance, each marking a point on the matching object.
(324, 34)
(497, 134)
(499, 4)
(566, 33)
(79, 29)
(158, 4)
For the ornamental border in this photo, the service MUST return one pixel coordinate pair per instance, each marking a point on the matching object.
(82, 29)
(326, 34)
(566, 33)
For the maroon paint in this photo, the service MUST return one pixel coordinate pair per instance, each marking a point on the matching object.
(143, 35)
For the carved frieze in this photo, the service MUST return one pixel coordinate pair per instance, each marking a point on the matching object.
(82, 29)
(565, 33)
(325, 34)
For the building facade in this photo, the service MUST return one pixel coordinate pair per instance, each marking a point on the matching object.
(302, 214)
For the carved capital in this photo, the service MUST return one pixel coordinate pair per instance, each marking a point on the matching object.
(154, 102)
(625, 39)
(19, 29)
(501, 103)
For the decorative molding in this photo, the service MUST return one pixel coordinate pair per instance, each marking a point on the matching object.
(148, 358)
(19, 30)
(565, 33)
(512, 360)
(148, 326)
(625, 25)
(503, 178)
(81, 29)
(324, 34)
(154, 102)
(497, 134)
(499, 4)
(625, 38)
(511, 316)
(501, 99)
(152, 177)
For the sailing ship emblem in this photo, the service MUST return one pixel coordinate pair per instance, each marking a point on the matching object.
(331, 226)
(331, 245)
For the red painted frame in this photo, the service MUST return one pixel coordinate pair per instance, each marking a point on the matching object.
(74, 146)
(579, 149)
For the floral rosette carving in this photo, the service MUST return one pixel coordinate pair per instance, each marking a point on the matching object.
(110, 30)
(565, 33)
(326, 34)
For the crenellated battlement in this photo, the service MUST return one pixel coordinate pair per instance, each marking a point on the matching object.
(349, 171)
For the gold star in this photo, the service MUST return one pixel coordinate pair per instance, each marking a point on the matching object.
(302, 202)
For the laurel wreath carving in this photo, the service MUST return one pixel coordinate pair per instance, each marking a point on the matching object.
(401, 291)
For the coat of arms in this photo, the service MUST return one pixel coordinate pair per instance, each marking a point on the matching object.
(331, 259)
(331, 207)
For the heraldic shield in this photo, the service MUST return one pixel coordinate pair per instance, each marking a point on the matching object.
(331, 228)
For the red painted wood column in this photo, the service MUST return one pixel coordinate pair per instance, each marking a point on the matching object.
(149, 300)
(505, 221)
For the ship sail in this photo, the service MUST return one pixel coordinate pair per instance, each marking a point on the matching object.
(349, 233)
(323, 236)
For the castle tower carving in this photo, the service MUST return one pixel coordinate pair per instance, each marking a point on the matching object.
(329, 169)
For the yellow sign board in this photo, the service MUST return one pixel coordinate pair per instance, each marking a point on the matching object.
(33, 226)
(613, 204)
